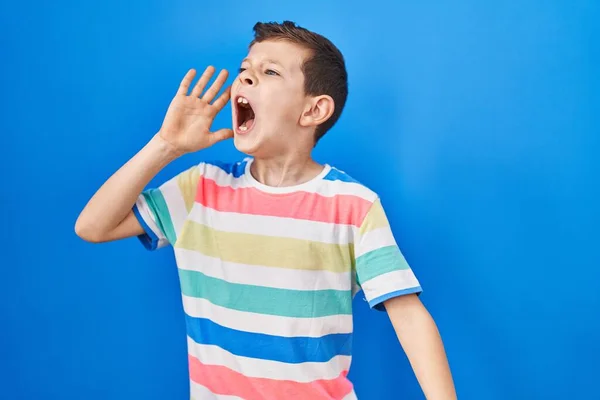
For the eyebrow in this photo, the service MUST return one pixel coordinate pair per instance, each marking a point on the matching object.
(267, 61)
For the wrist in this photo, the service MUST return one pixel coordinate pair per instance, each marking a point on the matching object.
(166, 151)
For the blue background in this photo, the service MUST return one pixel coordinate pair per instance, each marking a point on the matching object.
(477, 122)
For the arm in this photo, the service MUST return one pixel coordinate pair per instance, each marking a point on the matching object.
(389, 284)
(108, 215)
(421, 341)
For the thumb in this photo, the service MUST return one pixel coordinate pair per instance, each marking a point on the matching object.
(220, 135)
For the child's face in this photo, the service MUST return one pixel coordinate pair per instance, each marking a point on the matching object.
(272, 83)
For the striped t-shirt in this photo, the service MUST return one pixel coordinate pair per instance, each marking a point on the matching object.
(268, 276)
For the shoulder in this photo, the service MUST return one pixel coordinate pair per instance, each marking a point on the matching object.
(219, 168)
(355, 198)
(343, 183)
(221, 173)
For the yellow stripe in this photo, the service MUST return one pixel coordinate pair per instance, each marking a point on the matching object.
(269, 251)
(188, 183)
(374, 219)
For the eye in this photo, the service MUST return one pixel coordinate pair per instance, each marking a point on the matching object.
(242, 69)
(271, 72)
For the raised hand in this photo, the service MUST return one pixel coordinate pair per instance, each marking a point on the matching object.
(187, 123)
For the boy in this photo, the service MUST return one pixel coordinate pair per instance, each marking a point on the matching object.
(271, 249)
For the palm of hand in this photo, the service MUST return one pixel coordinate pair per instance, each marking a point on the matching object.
(187, 123)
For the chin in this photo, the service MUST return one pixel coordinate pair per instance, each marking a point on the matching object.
(246, 144)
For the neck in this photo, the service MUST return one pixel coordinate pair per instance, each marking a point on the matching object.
(287, 170)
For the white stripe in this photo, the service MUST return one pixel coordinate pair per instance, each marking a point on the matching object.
(148, 218)
(327, 188)
(269, 369)
(389, 282)
(333, 188)
(315, 231)
(199, 392)
(372, 240)
(175, 203)
(281, 278)
(264, 323)
(350, 396)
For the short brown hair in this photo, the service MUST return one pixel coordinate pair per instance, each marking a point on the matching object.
(324, 70)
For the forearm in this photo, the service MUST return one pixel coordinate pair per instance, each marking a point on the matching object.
(421, 341)
(116, 197)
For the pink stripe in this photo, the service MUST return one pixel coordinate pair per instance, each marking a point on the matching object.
(222, 380)
(339, 209)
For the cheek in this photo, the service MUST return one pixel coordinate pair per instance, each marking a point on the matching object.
(288, 106)
(281, 105)
(276, 108)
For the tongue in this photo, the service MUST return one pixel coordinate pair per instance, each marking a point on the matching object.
(248, 124)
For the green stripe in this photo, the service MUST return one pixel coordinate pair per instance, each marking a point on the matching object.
(160, 210)
(378, 262)
(265, 300)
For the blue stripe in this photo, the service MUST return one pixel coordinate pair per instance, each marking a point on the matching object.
(236, 169)
(377, 303)
(337, 175)
(148, 239)
(292, 350)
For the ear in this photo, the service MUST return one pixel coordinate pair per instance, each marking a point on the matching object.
(318, 110)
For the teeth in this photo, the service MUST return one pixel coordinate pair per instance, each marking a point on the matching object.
(242, 100)
(243, 128)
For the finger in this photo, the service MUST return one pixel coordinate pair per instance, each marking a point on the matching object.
(221, 134)
(186, 81)
(216, 86)
(222, 100)
(208, 72)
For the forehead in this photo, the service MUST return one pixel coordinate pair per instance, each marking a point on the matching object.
(289, 55)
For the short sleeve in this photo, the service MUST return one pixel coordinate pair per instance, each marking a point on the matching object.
(382, 272)
(162, 211)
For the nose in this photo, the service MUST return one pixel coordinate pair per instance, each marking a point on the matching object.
(246, 78)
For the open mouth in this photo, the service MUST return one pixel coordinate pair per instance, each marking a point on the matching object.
(245, 115)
